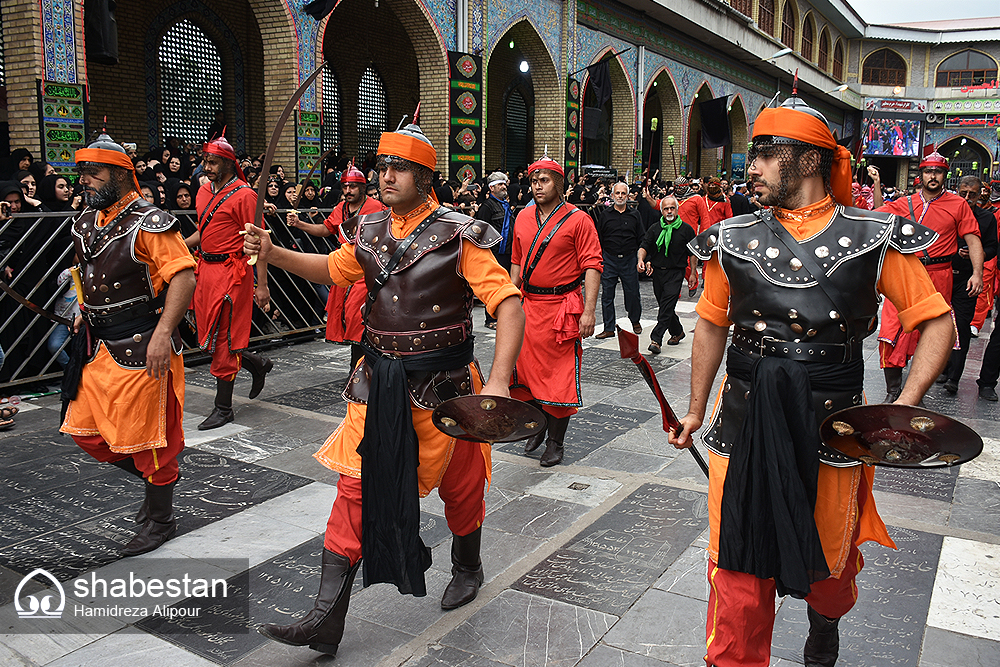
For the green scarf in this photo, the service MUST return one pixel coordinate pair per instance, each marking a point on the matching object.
(666, 231)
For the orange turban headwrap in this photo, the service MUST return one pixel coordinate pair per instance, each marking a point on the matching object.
(785, 122)
(108, 157)
(407, 147)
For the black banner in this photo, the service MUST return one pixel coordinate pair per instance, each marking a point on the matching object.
(715, 122)
(465, 140)
(572, 128)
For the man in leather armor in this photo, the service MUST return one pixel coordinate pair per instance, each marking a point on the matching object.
(128, 403)
(224, 298)
(556, 260)
(801, 281)
(422, 264)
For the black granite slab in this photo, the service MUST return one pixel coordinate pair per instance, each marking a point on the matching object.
(318, 398)
(610, 565)
(887, 625)
(937, 484)
(976, 506)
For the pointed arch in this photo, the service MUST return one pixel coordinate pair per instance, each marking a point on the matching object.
(622, 113)
(738, 132)
(701, 161)
(765, 16)
(662, 94)
(838, 61)
(823, 53)
(540, 89)
(789, 23)
(809, 37)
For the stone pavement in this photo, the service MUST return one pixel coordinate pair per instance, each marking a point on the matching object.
(597, 562)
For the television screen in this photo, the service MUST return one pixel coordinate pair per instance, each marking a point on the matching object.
(891, 136)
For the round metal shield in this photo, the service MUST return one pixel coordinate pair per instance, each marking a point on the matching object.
(900, 436)
(481, 418)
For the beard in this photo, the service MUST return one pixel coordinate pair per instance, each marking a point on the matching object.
(108, 194)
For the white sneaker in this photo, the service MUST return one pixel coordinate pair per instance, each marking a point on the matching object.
(975, 331)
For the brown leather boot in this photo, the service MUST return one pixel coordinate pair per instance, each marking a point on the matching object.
(223, 412)
(554, 449)
(128, 465)
(823, 643)
(160, 525)
(323, 627)
(466, 570)
(259, 367)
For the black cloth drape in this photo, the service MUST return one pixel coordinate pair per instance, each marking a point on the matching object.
(391, 548)
(715, 122)
(767, 527)
(600, 82)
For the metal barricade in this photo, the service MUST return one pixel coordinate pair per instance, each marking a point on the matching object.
(35, 248)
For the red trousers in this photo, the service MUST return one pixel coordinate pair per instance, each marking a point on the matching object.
(225, 363)
(158, 466)
(741, 610)
(462, 489)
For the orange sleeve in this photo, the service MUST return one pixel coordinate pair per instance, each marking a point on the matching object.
(165, 253)
(344, 267)
(714, 302)
(489, 281)
(905, 282)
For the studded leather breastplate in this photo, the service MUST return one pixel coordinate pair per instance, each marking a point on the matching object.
(114, 280)
(425, 303)
(774, 297)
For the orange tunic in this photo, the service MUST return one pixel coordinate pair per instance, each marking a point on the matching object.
(905, 282)
(125, 406)
(491, 283)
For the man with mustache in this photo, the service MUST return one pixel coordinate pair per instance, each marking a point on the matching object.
(126, 405)
(801, 282)
(950, 216)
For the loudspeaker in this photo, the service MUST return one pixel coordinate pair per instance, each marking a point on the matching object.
(591, 126)
(932, 118)
(101, 31)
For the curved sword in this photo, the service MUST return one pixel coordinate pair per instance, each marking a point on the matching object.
(35, 308)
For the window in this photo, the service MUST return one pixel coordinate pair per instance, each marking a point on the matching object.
(744, 7)
(516, 141)
(190, 82)
(838, 62)
(807, 39)
(765, 16)
(788, 25)
(373, 112)
(884, 68)
(968, 68)
(331, 111)
(824, 51)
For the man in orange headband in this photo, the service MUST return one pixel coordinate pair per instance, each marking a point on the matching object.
(422, 264)
(127, 405)
(786, 513)
(224, 298)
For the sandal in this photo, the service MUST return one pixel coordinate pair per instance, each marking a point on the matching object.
(6, 412)
(6, 424)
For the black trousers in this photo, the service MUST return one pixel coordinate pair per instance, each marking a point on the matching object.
(666, 289)
(620, 268)
(965, 309)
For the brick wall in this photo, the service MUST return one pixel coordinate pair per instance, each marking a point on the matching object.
(623, 124)
(23, 66)
(671, 124)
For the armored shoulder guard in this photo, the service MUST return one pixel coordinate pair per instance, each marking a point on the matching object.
(909, 237)
(480, 234)
(156, 220)
(350, 228)
(703, 245)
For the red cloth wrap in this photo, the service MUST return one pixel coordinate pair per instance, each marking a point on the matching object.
(897, 346)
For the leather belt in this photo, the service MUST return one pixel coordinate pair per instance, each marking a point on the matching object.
(213, 258)
(767, 346)
(935, 260)
(558, 289)
(140, 311)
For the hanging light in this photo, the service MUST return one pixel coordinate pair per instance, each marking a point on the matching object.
(511, 44)
(523, 66)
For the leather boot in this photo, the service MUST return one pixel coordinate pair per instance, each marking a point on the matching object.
(259, 367)
(823, 642)
(893, 383)
(466, 570)
(223, 412)
(128, 465)
(536, 440)
(553, 454)
(323, 627)
(160, 526)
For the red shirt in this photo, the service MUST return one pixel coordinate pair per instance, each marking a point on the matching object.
(716, 211)
(949, 215)
(574, 249)
(339, 216)
(694, 212)
(222, 234)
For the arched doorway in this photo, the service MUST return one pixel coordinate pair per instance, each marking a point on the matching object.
(404, 72)
(966, 157)
(614, 141)
(525, 105)
(738, 141)
(701, 161)
(663, 145)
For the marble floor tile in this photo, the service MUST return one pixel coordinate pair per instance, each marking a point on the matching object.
(300, 462)
(525, 631)
(688, 575)
(243, 535)
(609, 656)
(663, 626)
(966, 596)
(383, 605)
(534, 516)
(307, 507)
(589, 491)
(947, 649)
(608, 458)
(195, 438)
(253, 446)
(499, 552)
(892, 505)
(986, 466)
(446, 656)
(131, 648)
